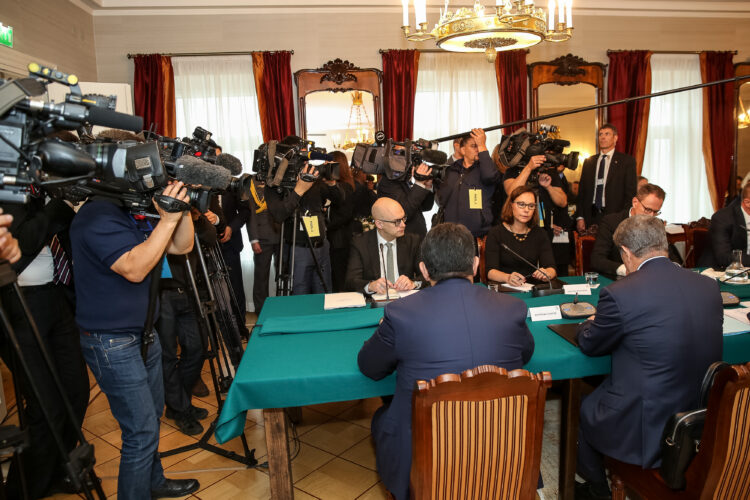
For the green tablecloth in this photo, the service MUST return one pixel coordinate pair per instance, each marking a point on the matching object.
(280, 371)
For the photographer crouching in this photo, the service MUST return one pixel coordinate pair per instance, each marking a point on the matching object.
(114, 254)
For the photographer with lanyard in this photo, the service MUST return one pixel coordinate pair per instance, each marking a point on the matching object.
(114, 254)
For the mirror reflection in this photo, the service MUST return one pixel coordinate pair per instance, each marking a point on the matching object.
(338, 120)
(743, 132)
(578, 128)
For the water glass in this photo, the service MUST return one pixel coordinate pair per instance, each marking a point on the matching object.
(592, 278)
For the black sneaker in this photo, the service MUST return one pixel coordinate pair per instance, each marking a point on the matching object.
(198, 412)
(176, 488)
(186, 423)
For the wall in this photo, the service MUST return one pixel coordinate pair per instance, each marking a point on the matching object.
(56, 31)
(317, 38)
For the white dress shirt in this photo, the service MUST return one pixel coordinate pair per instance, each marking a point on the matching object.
(382, 258)
(607, 161)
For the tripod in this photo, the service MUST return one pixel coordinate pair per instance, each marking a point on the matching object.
(80, 461)
(285, 277)
(219, 363)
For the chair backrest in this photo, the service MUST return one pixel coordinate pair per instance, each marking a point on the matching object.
(478, 434)
(584, 246)
(721, 469)
(481, 243)
(696, 240)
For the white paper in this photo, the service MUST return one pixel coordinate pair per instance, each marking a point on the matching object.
(342, 300)
(734, 327)
(712, 274)
(583, 289)
(545, 313)
(745, 303)
(392, 294)
(526, 287)
(406, 293)
(674, 229)
(594, 287)
(561, 238)
(739, 314)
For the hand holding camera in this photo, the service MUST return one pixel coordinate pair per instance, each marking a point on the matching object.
(9, 249)
(178, 191)
(303, 181)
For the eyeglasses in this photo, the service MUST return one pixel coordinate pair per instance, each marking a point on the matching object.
(649, 211)
(395, 222)
(522, 205)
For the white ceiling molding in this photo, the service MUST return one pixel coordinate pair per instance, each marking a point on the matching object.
(633, 8)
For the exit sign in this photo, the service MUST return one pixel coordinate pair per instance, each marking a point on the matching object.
(6, 35)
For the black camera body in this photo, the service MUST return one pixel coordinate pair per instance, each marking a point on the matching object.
(395, 160)
(279, 164)
(518, 148)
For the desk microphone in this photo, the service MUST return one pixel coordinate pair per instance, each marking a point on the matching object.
(536, 292)
(382, 303)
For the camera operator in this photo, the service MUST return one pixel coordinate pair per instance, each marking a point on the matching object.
(465, 194)
(414, 198)
(115, 254)
(309, 197)
(549, 186)
(41, 228)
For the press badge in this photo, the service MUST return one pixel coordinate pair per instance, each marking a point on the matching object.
(475, 199)
(311, 224)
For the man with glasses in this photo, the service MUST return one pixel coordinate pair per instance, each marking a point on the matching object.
(730, 229)
(385, 257)
(605, 257)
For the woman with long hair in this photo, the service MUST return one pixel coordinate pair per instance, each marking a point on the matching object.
(340, 222)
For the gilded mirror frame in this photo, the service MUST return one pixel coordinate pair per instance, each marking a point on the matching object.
(338, 76)
(567, 70)
(740, 69)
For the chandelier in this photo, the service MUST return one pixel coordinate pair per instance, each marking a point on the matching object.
(511, 24)
(743, 119)
(359, 124)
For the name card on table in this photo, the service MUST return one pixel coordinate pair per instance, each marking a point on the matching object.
(583, 289)
(545, 313)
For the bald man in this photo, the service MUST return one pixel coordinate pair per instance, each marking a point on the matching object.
(386, 247)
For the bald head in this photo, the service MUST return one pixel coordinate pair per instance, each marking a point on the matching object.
(390, 219)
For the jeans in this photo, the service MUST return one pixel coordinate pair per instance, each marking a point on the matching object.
(306, 279)
(178, 322)
(136, 397)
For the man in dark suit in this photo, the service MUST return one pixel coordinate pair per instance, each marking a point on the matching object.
(605, 256)
(236, 213)
(447, 328)
(662, 326)
(387, 245)
(414, 198)
(263, 233)
(730, 229)
(608, 181)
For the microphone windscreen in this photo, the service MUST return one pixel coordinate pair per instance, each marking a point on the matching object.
(118, 135)
(434, 156)
(192, 170)
(316, 155)
(113, 119)
(229, 162)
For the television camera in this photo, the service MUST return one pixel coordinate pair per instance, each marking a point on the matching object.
(279, 164)
(396, 159)
(518, 148)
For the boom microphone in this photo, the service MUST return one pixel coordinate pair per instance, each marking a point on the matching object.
(229, 162)
(316, 155)
(192, 170)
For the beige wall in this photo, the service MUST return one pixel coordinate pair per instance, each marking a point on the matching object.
(317, 38)
(55, 31)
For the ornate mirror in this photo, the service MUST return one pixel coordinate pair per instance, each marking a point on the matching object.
(742, 120)
(556, 86)
(339, 104)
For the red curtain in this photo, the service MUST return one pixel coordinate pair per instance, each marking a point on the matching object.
(399, 87)
(273, 79)
(510, 70)
(630, 76)
(153, 89)
(718, 109)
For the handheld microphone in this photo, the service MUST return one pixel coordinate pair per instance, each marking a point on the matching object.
(192, 170)
(536, 292)
(230, 162)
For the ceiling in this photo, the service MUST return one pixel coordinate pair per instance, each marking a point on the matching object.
(666, 8)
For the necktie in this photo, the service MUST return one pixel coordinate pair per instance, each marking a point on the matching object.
(389, 263)
(599, 196)
(61, 262)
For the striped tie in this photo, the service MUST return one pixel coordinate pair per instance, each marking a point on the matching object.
(61, 262)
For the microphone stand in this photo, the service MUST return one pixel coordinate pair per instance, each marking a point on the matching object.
(734, 276)
(382, 303)
(536, 292)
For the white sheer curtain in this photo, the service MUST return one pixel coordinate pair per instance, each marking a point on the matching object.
(455, 93)
(674, 152)
(218, 94)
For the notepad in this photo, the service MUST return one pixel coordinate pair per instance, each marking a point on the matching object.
(343, 300)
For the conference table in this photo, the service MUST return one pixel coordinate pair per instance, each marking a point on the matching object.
(299, 355)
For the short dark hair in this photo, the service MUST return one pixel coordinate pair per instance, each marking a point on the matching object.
(642, 234)
(463, 140)
(507, 214)
(648, 189)
(448, 252)
(642, 178)
(609, 126)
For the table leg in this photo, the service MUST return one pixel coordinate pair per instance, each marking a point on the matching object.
(279, 465)
(570, 408)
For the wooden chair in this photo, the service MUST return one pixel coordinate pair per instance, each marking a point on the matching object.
(696, 241)
(584, 246)
(721, 469)
(481, 243)
(478, 434)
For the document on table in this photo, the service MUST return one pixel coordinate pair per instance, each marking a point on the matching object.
(545, 313)
(526, 287)
(674, 229)
(561, 238)
(393, 294)
(735, 321)
(343, 300)
(583, 289)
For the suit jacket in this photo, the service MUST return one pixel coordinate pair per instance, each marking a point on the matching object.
(605, 257)
(236, 213)
(447, 328)
(619, 189)
(413, 199)
(364, 259)
(262, 226)
(727, 232)
(663, 327)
